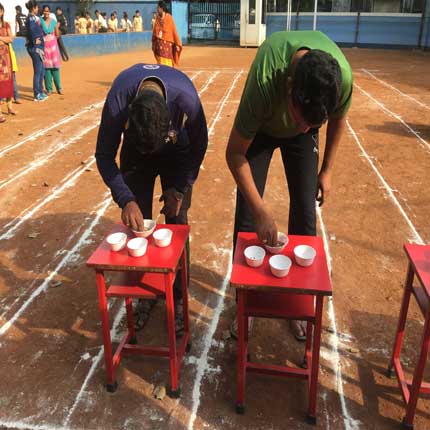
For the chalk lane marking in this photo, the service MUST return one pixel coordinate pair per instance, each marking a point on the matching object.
(69, 255)
(415, 235)
(44, 158)
(41, 132)
(349, 422)
(423, 105)
(394, 115)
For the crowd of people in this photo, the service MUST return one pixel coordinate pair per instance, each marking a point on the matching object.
(85, 24)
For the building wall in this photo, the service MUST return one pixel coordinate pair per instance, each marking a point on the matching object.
(396, 30)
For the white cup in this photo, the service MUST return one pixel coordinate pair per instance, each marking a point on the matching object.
(137, 246)
(254, 255)
(280, 265)
(163, 237)
(148, 227)
(116, 241)
(304, 255)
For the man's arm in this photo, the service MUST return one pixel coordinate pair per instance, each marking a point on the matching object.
(335, 130)
(239, 166)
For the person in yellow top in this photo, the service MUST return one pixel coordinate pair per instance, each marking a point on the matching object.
(112, 23)
(166, 43)
(90, 23)
(82, 24)
(137, 22)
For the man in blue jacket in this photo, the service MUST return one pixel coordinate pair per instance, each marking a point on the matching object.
(159, 114)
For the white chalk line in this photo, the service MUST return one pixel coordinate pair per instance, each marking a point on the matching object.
(96, 361)
(349, 422)
(69, 255)
(44, 158)
(423, 105)
(223, 102)
(208, 83)
(22, 425)
(41, 132)
(394, 115)
(13, 225)
(416, 237)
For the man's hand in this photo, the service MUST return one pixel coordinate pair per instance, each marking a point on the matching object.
(265, 228)
(324, 185)
(132, 216)
(172, 202)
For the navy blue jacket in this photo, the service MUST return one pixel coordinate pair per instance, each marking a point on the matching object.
(34, 32)
(183, 159)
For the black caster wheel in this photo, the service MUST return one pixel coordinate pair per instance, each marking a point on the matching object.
(111, 388)
(240, 409)
(133, 341)
(390, 372)
(174, 394)
(310, 419)
(407, 426)
(188, 347)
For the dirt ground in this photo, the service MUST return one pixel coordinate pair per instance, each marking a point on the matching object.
(55, 210)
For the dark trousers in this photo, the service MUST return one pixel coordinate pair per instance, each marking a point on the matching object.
(38, 71)
(141, 183)
(15, 88)
(63, 51)
(300, 160)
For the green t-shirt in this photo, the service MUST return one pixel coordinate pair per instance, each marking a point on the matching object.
(264, 104)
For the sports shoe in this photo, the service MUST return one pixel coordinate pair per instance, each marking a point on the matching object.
(41, 97)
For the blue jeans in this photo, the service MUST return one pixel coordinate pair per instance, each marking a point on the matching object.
(15, 88)
(38, 71)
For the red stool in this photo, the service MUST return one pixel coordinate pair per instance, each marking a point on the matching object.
(419, 268)
(146, 277)
(297, 296)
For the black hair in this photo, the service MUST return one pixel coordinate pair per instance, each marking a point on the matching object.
(316, 88)
(18, 8)
(112, 14)
(46, 6)
(149, 121)
(138, 11)
(59, 8)
(162, 4)
(2, 17)
(31, 4)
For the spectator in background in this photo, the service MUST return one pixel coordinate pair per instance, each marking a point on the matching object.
(20, 22)
(6, 72)
(115, 13)
(35, 48)
(52, 53)
(62, 27)
(103, 23)
(126, 24)
(82, 24)
(166, 43)
(90, 23)
(100, 23)
(77, 24)
(112, 25)
(137, 22)
(14, 70)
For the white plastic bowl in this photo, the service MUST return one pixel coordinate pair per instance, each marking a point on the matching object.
(280, 265)
(137, 246)
(278, 249)
(149, 226)
(116, 241)
(304, 255)
(254, 255)
(163, 237)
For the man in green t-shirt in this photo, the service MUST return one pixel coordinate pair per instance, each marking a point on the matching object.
(298, 81)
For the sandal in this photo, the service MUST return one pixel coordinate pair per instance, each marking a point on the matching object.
(295, 326)
(142, 313)
(234, 327)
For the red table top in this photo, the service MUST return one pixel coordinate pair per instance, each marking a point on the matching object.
(300, 280)
(419, 256)
(156, 259)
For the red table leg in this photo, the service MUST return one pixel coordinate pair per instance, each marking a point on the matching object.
(130, 320)
(174, 390)
(241, 352)
(185, 290)
(418, 376)
(311, 415)
(111, 384)
(402, 319)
